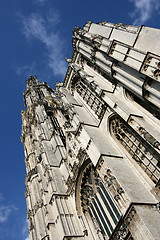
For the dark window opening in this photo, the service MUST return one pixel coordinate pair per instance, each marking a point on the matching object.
(140, 150)
(96, 200)
(144, 103)
(58, 128)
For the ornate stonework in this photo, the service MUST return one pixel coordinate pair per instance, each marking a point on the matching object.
(92, 146)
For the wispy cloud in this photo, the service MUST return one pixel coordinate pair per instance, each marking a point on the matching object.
(43, 29)
(4, 213)
(26, 70)
(143, 10)
(5, 210)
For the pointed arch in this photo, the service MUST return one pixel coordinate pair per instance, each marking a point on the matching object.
(135, 147)
(95, 202)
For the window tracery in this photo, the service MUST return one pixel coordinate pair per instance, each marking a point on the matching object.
(57, 128)
(137, 147)
(97, 203)
(92, 100)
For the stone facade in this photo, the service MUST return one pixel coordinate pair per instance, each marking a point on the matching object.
(92, 146)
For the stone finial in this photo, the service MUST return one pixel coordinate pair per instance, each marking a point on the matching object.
(32, 80)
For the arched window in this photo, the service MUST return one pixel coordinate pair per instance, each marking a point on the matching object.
(139, 149)
(91, 98)
(98, 206)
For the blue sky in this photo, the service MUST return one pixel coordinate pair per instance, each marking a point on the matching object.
(35, 37)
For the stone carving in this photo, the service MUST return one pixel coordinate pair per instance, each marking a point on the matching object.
(149, 138)
(68, 111)
(78, 32)
(30, 213)
(81, 61)
(39, 158)
(46, 209)
(67, 125)
(30, 223)
(78, 70)
(37, 206)
(143, 154)
(100, 164)
(32, 80)
(93, 53)
(53, 102)
(59, 84)
(58, 93)
(113, 185)
(92, 198)
(151, 66)
(27, 188)
(88, 144)
(75, 78)
(100, 195)
(79, 159)
(47, 173)
(96, 37)
(123, 231)
(31, 173)
(81, 154)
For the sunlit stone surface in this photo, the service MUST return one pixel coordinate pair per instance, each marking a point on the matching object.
(92, 147)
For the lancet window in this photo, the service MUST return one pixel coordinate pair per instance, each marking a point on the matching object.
(58, 129)
(97, 204)
(141, 151)
(92, 100)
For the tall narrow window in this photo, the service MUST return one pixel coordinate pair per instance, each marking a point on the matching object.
(59, 130)
(93, 101)
(97, 203)
(137, 147)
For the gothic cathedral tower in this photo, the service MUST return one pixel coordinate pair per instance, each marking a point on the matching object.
(92, 146)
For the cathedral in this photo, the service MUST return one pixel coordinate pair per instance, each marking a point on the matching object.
(92, 144)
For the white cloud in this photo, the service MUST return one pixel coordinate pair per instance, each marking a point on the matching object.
(53, 17)
(27, 238)
(39, 28)
(5, 211)
(26, 70)
(143, 10)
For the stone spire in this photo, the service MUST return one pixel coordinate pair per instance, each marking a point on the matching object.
(32, 81)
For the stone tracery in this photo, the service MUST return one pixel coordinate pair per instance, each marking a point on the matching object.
(97, 203)
(138, 149)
